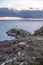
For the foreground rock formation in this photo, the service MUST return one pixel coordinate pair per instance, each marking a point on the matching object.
(21, 51)
(24, 50)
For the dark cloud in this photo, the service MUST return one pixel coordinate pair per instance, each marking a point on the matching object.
(5, 12)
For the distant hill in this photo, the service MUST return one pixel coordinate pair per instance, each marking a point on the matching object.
(5, 12)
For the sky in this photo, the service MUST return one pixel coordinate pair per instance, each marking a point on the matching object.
(22, 4)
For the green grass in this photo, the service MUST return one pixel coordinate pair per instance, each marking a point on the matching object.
(35, 37)
(34, 63)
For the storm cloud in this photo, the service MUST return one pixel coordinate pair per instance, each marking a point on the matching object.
(5, 12)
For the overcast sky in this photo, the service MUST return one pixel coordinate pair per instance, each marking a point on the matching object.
(21, 4)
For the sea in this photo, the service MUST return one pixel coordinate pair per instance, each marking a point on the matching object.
(29, 26)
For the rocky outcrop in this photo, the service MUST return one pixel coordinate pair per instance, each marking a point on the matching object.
(21, 51)
(18, 33)
(39, 32)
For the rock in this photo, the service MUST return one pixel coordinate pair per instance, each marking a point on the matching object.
(22, 43)
(39, 32)
(19, 53)
(21, 50)
(40, 59)
(18, 33)
(4, 43)
(12, 32)
(2, 59)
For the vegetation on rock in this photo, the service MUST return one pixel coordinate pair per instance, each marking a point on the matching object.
(39, 32)
(21, 51)
(18, 33)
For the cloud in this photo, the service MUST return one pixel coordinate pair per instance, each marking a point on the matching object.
(21, 4)
(5, 12)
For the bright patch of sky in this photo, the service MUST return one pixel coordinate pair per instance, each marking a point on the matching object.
(21, 4)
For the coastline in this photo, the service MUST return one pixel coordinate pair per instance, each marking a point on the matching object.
(26, 48)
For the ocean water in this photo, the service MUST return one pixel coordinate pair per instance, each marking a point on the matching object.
(29, 26)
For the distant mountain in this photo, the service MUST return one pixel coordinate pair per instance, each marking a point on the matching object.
(5, 12)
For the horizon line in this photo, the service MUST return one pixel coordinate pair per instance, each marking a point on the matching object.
(19, 18)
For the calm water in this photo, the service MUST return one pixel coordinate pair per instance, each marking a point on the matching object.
(30, 26)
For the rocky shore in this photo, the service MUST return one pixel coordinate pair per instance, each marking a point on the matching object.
(21, 51)
(24, 50)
